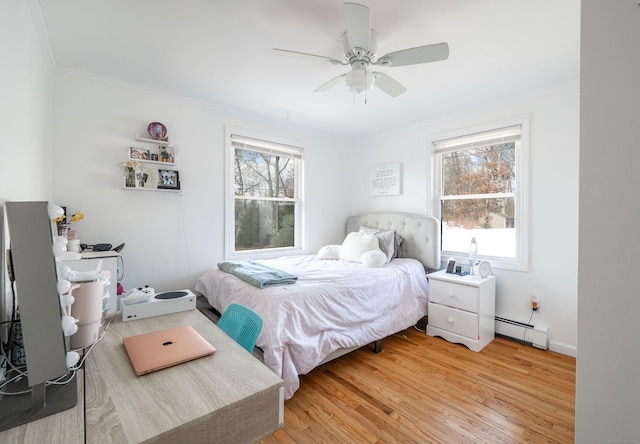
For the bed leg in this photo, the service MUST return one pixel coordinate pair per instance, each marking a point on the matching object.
(377, 346)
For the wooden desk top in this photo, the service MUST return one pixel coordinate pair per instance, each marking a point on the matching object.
(229, 396)
(65, 426)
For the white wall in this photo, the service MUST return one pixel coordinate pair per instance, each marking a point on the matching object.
(25, 104)
(25, 92)
(607, 389)
(171, 239)
(553, 200)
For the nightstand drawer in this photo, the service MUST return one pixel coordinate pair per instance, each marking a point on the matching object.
(464, 297)
(456, 321)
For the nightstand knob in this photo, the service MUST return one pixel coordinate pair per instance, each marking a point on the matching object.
(452, 294)
(451, 320)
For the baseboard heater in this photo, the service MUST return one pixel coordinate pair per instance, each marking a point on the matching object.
(536, 335)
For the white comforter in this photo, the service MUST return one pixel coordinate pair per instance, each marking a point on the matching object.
(334, 304)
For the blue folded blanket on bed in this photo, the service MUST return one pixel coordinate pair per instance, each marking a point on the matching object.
(261, 276)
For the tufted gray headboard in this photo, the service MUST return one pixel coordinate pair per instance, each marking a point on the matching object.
(421, 233)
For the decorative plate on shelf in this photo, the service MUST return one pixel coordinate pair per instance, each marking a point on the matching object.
(157, 130)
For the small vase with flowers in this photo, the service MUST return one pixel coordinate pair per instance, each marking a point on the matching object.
(130, 167)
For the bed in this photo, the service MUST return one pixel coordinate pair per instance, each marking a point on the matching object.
(335, 306)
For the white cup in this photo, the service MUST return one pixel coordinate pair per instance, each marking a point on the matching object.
(73, 245)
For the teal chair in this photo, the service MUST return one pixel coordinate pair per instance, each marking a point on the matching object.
(242, 325)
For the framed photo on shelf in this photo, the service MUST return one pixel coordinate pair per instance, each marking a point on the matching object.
(141, 179)
(147, 177)
(165, 154)
(138, 153)
(168, 180)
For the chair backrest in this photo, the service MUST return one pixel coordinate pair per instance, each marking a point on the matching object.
(241, 324)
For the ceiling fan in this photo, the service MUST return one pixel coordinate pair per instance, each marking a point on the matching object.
(359, 44)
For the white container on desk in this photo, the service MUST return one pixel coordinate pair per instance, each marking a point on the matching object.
(89, 261)
(87, 308)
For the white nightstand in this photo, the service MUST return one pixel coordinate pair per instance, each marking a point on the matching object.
(462, 308)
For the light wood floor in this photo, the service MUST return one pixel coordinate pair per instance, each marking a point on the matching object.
(427, 390)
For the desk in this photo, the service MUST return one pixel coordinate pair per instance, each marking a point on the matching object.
(229, 396)
(63, 427)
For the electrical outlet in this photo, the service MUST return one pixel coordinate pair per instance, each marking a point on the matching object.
(534, 303)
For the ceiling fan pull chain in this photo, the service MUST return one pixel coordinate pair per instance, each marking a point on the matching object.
(366, 92)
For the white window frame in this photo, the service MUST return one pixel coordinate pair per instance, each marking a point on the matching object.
(265, 144)
(468, 135)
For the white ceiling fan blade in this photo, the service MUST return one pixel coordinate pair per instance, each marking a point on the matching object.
(414, 56)
(304, 55)
(388, 85)
(358, 23)
(330, 84)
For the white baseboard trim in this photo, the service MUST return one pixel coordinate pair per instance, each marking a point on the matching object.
(563, 349)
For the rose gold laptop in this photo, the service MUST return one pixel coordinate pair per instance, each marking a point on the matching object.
(161, 349)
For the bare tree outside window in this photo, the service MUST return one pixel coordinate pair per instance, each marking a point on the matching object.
(478, 193)
(486, 176)
(264, 192)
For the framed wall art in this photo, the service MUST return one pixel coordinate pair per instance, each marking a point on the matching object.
(168, 180)
(165, 154)
(147, 177)
(138, 153)
(385, 180)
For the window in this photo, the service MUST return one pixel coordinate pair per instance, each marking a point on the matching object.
(264, 199)
(481, 193)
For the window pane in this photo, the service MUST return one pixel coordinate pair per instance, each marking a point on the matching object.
(263, 175)
(264, 224)
(486, 170)
(490, 221)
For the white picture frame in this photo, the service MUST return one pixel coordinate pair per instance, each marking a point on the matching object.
(385, 180)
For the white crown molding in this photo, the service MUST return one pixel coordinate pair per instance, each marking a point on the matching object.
(41, 32)
(221, 108)
(117, 82)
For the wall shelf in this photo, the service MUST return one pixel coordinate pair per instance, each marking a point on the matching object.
(151, 173)
(150, 189)
(166, 142)
(155, 162)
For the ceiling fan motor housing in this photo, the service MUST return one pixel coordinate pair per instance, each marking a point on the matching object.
(353, 54)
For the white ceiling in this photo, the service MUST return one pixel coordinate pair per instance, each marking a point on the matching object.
(219, 51)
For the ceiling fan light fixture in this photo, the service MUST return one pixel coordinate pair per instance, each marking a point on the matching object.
(359, 79)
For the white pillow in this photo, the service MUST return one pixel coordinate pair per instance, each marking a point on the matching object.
(356, 244)
(373, 258)
(329, 252)
(386, 240)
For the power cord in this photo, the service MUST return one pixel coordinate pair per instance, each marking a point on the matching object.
(6, 347)
(524, 338)
(58, 381)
